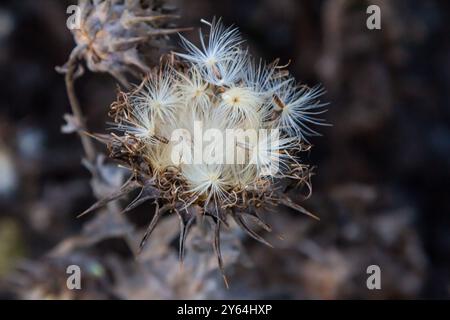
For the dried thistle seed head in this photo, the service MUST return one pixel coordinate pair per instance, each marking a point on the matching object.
(252, 119)
(112, 30)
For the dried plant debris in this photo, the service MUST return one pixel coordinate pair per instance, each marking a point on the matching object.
(366, 225)
(217, 86)
(112, 32)
(47, 278)
(156, 274)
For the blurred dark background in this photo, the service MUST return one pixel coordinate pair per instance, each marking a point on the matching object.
(382, 182)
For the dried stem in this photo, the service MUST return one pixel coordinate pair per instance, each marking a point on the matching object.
(88, 146)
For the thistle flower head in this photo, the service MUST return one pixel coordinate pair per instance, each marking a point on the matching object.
(111, 31)
(216, 135)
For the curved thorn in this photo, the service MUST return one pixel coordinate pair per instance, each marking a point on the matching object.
(219, 253)
(158, 213)
(286, 201)
(150, 228)
(259, 221)
(241, 222)
(184, 229)
(145, 195)
(124, 190)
